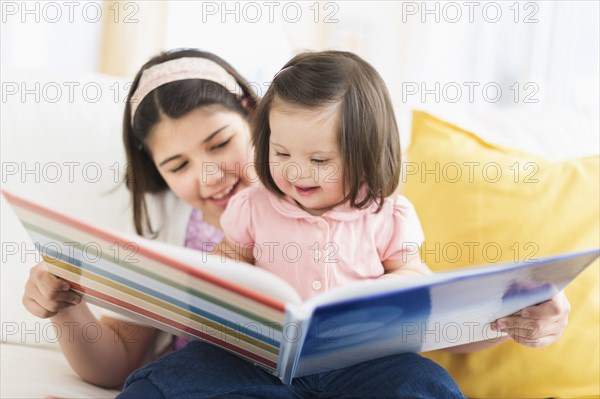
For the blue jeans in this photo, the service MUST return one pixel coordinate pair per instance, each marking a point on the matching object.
(199, 370)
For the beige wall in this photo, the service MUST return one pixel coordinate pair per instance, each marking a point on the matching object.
(132, 32)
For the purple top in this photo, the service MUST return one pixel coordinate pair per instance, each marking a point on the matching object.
(198, 234)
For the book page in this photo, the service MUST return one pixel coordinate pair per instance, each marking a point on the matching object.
(373, 319)
(235, 306)
(371, 287)
(236, 272)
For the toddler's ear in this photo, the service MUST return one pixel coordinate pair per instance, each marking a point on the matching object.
(249, 109)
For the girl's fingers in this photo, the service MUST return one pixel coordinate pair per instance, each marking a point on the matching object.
(539, 325)
(531, 341)
(546, 326)
(50, 284)
(36, 309)
(59, 300)
(45, 294)
(534, 334)
(68, 296)
(55, 305)
(558, 306)
(517, 322)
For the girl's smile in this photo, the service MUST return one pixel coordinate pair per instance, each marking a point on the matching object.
(305, 191)
(221, 198)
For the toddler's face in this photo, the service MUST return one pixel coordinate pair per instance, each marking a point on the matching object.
(304, 155)
(205, 157)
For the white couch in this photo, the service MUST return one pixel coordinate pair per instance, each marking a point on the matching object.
(67, 153)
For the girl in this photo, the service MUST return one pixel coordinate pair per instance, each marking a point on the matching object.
(186, 132)
(328, 154)
(327, 151)
(194, 119)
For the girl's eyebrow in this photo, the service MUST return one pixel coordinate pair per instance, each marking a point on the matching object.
(169, 160)
(206, 140)
(213, 134)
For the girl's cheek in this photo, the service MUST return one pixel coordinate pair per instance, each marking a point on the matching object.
(330, 174)
(183, 188)
(170, 182)
(237, 163)
(278, 178)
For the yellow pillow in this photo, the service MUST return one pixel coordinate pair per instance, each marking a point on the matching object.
(481, 203)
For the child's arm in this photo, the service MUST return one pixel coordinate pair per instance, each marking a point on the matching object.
(105, 359)
(234, 251)
(399, 251)
(411, 265)
(236, 223)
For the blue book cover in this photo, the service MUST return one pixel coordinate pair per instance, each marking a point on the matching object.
(365, 321)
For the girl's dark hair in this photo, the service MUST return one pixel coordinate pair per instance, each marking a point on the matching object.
(368, 135)
(172, 100)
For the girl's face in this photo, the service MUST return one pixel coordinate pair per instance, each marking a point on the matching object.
(305, 156)
(205, 157)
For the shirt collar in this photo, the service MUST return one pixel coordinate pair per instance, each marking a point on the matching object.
(286, 206)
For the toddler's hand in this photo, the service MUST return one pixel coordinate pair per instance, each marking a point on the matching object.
(537, 326)
(45, 294)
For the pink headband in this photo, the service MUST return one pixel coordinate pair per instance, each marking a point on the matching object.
(182, 69)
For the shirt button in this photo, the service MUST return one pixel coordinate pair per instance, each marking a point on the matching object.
(322, 224)
(316, 285)
(317, 255)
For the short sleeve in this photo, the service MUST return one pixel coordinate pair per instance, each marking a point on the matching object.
(236, 220)
(405, 232)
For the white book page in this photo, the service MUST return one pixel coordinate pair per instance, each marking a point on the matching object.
(379, 286)
(371, 287)
(239, 273)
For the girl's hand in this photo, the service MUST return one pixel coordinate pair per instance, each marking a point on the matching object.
(537, 326)
(45, 294)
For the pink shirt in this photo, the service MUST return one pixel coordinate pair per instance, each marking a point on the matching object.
(317, 253)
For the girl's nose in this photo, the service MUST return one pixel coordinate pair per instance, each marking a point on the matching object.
(295, 172)
(211, 174)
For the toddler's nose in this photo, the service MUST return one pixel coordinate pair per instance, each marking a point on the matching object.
(295, 172)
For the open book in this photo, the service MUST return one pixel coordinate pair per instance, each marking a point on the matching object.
(259, 317)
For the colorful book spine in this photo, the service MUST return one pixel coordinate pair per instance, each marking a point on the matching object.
(178, 297)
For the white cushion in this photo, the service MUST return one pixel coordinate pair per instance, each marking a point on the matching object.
(34, 372)
(65, 154)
